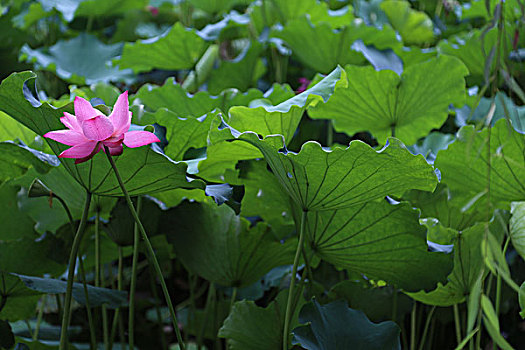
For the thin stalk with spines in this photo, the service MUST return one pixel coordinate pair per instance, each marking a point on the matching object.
(288, 314)
(71, 272)
(149, 249)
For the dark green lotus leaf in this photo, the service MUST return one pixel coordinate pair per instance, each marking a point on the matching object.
(252, 327)
(468, 264)
(108, 8)
(431, 145)
(241, 73)
(33, 256)
(81, 60)
(336, 326)
(517, 227)
(217, 6)
(380, 240)
(113, 299)
(322, 48)
(384, 103)
(177, 48)
(173, 97)
(376, 302)
(143, 169)
(317, 179)
(11, 130)
(15, 223)
(20, 301)
(220, 247)
(7, 338)
(415, 27)
(17, 160)
(264, 197)
(449, 210)
(464, 165)
(265, 120)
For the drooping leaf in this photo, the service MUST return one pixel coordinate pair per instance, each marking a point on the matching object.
(252, 327)
(380, 240)
(335, 326)
(97, 296)
(17, 160)
(81, 60)
(220, 247)
(415, 27)
(143, 169)
(177, 48)
(384, 103)
(517, 227)
(322, 48)
(465, 167)
(316, 179)
(19, 301)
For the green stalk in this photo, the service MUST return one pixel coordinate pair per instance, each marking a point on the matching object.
(211, 293)
(119, 287)
(39, 317)
(157, 309)
(71, 273)
(457, 323)
(413, 327)
(149, 249)
(133, 284)
(425, 330)
(98, 279)
(234, 297)
(288, 315)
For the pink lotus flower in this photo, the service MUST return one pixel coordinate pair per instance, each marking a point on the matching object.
(88, 131)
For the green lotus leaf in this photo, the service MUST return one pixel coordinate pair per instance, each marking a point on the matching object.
(336, 326)
(177, 48)
(380, 240)
(252, 327)
(81, 60)
(217, 6)
(322, 49)
(72, 8)
(15, 223)
(385, 103)
(466, 170)
(468, 264)
(264, 120)
(11, 130)
(317, 179)
(19, 301)
(17, 160)
(517, 227)
(143, 169)
(415, 27)
(220, 247)
(241, 73)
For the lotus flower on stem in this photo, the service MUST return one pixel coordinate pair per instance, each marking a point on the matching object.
(89, 130)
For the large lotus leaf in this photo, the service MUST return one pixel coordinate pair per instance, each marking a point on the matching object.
(112, 298)
(336, 326)
(177, 48)
(264, 120)
(384, 103)
(378, 239)
(15, 223)
(322, 48)
(20, 301)
(468, 264)
(415, 27)
(517, 227)
(466, 170)
(214, 243)
(241, 73)
(217, 6)
(317, 179)
(81, 60)
(143, 169)
(449, 210)
(252, 327)
(173, 97)
(33, 256)
(71, 8)
(16, 160)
